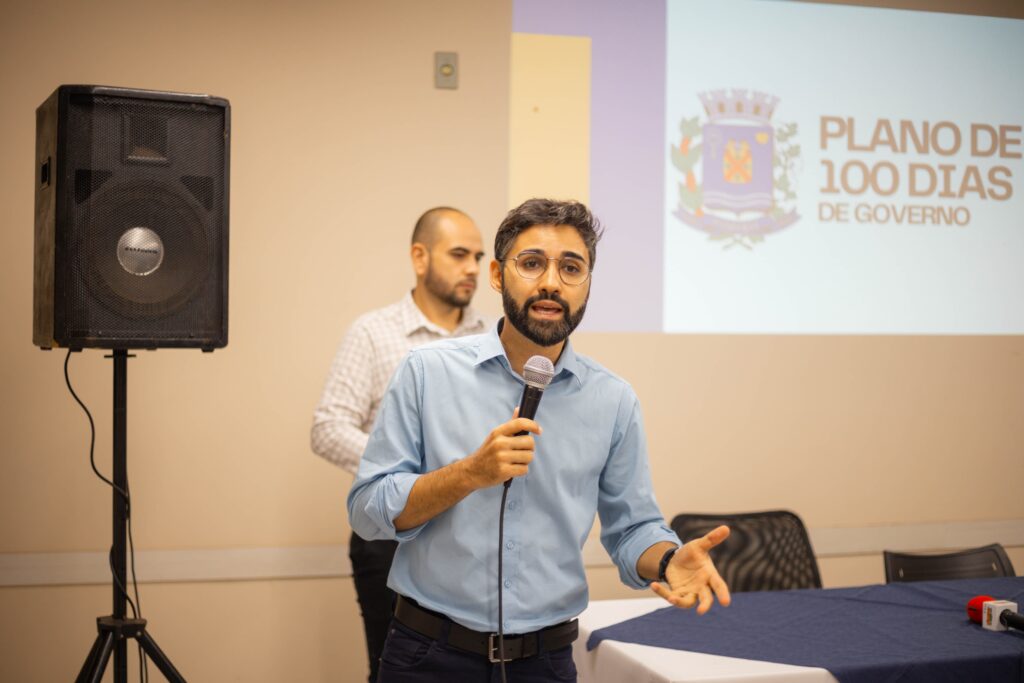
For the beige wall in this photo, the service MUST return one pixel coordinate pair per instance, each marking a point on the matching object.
(339, 142)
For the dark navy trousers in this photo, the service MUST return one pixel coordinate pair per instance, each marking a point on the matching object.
(371, 564)
(409, 657)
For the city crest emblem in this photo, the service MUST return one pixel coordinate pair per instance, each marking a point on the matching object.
(746, 168)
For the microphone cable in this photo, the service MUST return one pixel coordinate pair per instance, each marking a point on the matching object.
(537, 374)
(501, 545)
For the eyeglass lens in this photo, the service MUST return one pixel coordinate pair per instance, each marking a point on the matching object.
(571, 270)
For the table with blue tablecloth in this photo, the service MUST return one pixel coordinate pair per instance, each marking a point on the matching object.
(906, 632)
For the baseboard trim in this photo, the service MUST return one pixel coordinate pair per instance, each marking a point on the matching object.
(154, 566)
(255, 564)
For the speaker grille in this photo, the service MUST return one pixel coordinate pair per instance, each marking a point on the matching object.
(184, 246)
(146, 249)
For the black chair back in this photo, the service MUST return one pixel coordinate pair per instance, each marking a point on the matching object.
(766, 550)
(974, 563)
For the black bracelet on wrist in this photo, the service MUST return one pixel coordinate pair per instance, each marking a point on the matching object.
(663, 565)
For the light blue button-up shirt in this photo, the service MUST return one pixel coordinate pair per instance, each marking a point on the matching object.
(444, 399)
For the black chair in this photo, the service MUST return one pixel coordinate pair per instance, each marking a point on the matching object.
(974, 563)
(766, 550)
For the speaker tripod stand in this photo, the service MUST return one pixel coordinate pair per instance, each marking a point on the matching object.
(115, 630)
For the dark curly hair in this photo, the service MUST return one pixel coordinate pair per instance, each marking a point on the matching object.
(548, 212)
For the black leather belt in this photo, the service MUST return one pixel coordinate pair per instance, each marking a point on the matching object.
(431, 625)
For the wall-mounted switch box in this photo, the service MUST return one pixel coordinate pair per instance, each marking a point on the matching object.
(446, 70)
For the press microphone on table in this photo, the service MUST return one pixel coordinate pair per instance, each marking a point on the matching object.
(994, 615)
(537, 372)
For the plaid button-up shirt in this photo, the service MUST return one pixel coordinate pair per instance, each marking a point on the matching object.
(361, 370)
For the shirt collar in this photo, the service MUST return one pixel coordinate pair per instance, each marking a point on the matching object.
(413, 320)
(491, 347)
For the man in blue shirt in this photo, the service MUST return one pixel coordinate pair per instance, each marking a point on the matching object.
(432, 471)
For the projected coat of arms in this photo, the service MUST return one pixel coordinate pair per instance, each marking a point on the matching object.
(746, 168)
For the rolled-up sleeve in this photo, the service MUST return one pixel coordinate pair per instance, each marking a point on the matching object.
(393, 459)
(631, 521)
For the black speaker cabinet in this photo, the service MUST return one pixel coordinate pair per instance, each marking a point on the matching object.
(131, 229)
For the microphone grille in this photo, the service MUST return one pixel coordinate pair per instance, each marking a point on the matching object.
(538, 371)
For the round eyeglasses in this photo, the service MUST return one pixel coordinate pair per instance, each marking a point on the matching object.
(571, 269)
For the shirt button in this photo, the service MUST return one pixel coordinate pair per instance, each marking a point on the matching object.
(508, 583)
(510, 545)
(512, 505)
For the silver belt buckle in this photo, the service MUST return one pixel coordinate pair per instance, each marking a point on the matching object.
(493, 656)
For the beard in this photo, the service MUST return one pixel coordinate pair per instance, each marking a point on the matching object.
(445, 292)
(542, 332)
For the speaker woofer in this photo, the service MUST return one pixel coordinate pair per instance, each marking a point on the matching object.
(112, 219)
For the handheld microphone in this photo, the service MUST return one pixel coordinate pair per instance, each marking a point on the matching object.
(994, 615)
(538, 372)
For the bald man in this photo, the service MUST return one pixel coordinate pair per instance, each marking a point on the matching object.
(445, 253)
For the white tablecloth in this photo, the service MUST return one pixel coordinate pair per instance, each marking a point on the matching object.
(617, 662)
